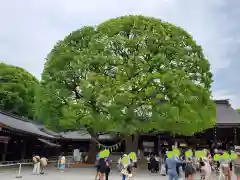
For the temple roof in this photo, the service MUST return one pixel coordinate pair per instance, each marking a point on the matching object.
(22, 125)
(226, 115)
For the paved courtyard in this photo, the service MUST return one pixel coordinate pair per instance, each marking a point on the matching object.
(77, 174)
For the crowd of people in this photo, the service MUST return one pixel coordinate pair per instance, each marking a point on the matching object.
(175, 167)
(182, 167)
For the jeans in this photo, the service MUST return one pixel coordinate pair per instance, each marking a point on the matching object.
(172, 175)
(123, 177)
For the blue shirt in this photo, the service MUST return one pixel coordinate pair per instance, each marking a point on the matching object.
(172, 164)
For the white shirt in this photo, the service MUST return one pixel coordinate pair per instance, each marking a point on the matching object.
(63, 160)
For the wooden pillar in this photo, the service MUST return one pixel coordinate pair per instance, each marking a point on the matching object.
(5, 140)
(235, 136)
(158, 145)
(23, 153)
(5, 148)
(215, 137)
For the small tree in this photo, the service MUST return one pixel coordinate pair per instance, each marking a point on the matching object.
(131, 74)
(17, 91)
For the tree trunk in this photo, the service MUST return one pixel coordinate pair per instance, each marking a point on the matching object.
(92, 151)
(131, 143)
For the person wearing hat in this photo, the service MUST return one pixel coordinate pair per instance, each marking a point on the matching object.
(236, 165)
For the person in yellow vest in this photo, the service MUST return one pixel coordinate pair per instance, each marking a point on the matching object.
(43, 163)
(36, 164)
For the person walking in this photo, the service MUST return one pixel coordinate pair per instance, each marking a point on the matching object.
(126, 168)
(225, 171)
(43, 163)
(36, 164)
(102, 168)
(236, 166)
(172, 167)
(97, 166)
(189, 169)
(207, 169)
(108, 167)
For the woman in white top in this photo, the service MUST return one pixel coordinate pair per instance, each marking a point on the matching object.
(62, 163)
(207, 169)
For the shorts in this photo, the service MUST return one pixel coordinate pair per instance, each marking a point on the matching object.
(98, 168)
(62, 166)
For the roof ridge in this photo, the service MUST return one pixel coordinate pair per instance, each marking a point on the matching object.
(21, 118)
(222, 101)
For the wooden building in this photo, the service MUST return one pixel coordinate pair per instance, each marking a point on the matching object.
(224, 135)
(21, 138)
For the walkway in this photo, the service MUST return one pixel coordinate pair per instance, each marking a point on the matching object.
(75, 174)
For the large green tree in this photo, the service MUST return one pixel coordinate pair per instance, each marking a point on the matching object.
(128, 75)
(17, 91)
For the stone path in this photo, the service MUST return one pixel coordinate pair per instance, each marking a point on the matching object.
(77, 174)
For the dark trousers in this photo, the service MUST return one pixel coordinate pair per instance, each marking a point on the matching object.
(178, 171)
(107, 173)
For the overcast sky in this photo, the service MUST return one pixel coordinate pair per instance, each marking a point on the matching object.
(30, 28)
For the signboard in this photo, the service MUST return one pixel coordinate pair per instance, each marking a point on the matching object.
(148, 144)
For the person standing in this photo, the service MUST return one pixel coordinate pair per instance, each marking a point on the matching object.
(36, 165)
(62, 162)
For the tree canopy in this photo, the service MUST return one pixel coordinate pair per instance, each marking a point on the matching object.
(127, 75)
(17, 90)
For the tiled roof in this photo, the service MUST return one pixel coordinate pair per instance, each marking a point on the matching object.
(226, 114)
(32, 127)
(22, 125)
(84, 135)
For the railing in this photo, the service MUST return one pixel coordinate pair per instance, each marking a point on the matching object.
(20, 165)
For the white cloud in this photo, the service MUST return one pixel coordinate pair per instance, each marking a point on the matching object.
(29, 29)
